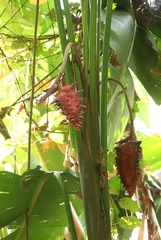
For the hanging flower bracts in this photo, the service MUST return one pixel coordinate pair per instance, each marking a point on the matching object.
(67, 98)
(69, 102)
(128, 153)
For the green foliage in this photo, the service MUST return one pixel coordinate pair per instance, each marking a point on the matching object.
(34, 201)
(39, 192)
(129, 222)
(129, 204)
(145, 55)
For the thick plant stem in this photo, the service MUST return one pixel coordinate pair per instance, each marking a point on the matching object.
(89, 170)
(88, 139)
(90, 191)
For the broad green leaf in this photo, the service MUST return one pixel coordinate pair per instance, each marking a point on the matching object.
(48, 217)
(129, 222)
(129, 204)
(122, 32)
(121, 39)
(42, 233)
(48, 153)
(155, 27)
(151, 152)
(114, 185)
(13, 200)
(144, 62)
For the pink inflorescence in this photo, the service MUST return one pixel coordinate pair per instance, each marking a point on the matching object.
(70, 103)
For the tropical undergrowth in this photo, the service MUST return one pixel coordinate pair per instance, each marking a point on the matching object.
(61, 117)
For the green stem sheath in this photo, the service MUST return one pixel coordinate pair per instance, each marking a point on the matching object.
(104, 126)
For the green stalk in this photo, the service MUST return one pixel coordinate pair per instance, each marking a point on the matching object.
(106, 47)
(68, 70)
(62, 33)
(76, 64)
(85, 19)
(98, 36)
(92, 62)
(70, 30)
(69, 21)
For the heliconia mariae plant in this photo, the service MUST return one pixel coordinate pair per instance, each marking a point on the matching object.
(99, 40)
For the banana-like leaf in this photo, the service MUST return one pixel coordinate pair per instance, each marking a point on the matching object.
(48, 217)
(145, 64)
(122, 35)
(155, 28)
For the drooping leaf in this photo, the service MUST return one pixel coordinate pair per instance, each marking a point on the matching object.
(121, 39)
(122, 32)
(48, 210)
(144, 63)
